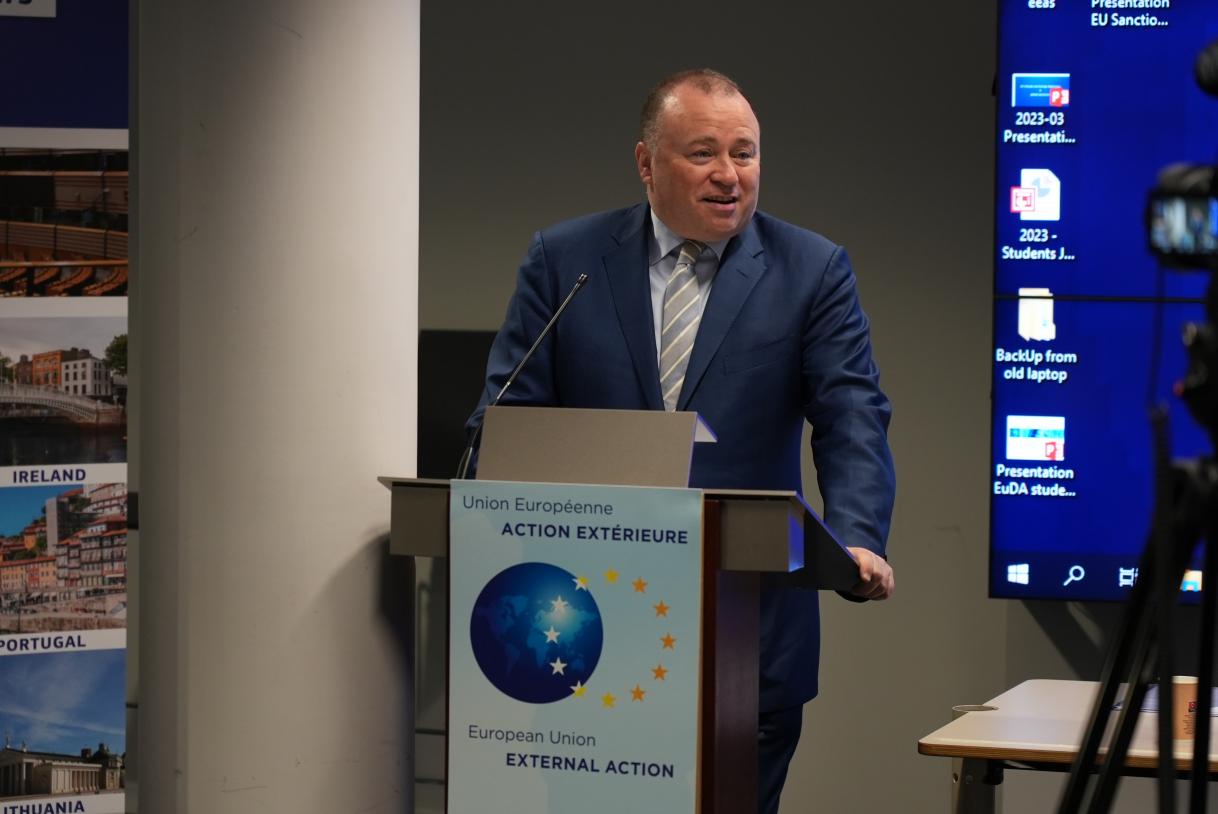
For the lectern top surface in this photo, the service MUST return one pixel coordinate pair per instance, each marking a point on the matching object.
(389, 481)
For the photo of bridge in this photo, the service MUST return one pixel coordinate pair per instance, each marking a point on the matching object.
(63, 389)
(34, 400)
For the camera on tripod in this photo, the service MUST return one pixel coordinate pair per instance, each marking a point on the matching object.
(1182, 218)
(1182, 211)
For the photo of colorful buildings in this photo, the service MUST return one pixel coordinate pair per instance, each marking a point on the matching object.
(63, 558)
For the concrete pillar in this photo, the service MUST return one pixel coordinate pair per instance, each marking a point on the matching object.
(273, 335)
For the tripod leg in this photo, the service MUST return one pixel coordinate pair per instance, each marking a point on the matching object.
(1205, 669)
(1134, 636)
(1114, 761)
(1134, 629)
(1172, 558)
(1172, 543)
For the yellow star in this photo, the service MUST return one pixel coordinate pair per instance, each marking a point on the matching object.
(661, 608)
(607, 699)
(659, 672)
(581, 583)
(579, 689)
(637, 693)
(551, 635)
(640, 586)
(668, 640)
(611, 576)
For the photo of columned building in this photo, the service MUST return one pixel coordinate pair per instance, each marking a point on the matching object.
(24, 772)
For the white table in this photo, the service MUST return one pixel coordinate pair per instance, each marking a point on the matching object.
(1039, 724)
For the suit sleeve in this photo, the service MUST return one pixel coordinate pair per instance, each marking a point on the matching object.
(848, 412)
(530, 308)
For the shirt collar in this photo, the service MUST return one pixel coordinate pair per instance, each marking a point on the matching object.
(664, 241)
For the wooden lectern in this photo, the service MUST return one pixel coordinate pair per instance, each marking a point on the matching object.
(746, 534)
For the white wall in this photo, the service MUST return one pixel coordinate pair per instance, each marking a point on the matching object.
(274, 327)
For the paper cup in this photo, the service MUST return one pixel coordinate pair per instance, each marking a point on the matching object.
(1184, 707)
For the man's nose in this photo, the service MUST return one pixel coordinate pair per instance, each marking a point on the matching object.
(725, 172)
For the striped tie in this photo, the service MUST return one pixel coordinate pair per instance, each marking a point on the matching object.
(679, 324)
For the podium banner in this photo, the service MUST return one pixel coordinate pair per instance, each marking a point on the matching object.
(574, 645)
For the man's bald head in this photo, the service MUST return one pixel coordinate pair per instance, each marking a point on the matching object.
(708, 81)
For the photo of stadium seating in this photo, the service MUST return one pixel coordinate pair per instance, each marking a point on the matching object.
(63, 223)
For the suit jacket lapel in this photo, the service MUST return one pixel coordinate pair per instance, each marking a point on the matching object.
(630, 287)
(742, 266)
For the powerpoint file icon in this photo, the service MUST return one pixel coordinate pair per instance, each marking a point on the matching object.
(1040, 90)
(1038, 196)
(1036, 438)
(1036, 315)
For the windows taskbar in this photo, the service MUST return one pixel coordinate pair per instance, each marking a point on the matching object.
(1053, 575)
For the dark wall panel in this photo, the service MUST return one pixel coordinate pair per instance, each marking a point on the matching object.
(452, 365)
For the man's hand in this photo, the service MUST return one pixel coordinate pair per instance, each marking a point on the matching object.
(875, 575)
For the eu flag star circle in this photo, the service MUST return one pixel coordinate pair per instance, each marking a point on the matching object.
(534, 635)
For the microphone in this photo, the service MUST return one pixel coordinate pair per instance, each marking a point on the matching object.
(463, 467)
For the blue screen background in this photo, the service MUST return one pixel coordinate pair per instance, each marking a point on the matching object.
(1134, 108)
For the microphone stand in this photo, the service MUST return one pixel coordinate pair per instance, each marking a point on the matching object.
(467, 456)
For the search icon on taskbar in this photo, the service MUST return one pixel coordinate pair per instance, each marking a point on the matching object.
(1075, 574)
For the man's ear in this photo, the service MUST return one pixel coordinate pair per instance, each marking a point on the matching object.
(642, 159)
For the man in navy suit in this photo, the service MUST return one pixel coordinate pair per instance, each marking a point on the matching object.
(779, 337)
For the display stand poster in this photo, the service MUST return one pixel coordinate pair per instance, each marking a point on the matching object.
(574, 646)
(64, 270)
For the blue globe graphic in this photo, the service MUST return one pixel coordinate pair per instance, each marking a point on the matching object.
(535, 634)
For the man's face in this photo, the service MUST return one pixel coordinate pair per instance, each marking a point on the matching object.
(703, 172)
